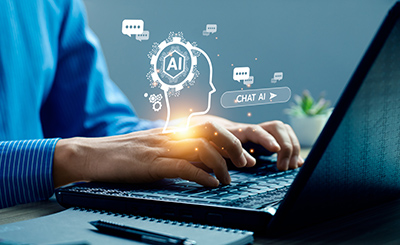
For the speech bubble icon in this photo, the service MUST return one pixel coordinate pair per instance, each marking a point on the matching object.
(241, 73)
(248, 81)
(212, 28)
(132, 27)
(278, 76)
(144, 36)
(206, 33)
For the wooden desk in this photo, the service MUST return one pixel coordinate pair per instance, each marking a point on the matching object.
(29, 211)
(378, 225)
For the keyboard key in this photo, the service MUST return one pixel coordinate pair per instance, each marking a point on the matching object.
(229, 196)
(204, 195)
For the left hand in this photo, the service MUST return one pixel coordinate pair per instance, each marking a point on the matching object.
(274, 136)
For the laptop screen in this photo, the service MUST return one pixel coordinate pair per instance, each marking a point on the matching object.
(360, 167)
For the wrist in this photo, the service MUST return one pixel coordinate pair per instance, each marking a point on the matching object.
(66, 165)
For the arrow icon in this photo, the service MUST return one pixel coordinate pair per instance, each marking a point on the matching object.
(272, 95)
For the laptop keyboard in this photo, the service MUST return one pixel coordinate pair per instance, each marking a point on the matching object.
(254, 188)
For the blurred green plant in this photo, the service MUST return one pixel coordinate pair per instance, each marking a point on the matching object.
(306, 106)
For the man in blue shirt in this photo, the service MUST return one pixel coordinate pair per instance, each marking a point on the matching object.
(56, 96)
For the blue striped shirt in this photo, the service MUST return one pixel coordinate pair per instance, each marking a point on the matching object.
(53, 84)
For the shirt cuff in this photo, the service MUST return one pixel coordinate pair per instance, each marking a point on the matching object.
(26, 171)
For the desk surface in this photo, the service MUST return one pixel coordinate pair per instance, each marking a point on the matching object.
(374, 226)
(378, 225)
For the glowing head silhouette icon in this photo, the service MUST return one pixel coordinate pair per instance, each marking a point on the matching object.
(174, 67)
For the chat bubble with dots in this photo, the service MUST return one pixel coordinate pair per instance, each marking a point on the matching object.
(144, 36)
(278, 76)
(132, 27)
(241, 73)
(211, 28)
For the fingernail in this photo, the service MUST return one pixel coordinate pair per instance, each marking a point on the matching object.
(242, 160)
(301, 159)
(213, 181)
(275, 144)
(253, 159)
(251, 162)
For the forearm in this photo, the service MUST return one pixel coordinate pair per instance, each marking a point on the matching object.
(105, 159)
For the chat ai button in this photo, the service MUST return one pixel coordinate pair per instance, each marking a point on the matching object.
(254, 97)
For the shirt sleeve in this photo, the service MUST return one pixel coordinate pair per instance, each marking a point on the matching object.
(26, 171)
(83, 100)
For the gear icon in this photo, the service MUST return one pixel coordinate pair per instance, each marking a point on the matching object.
(157, 106)
(159, 54)
(152, 98)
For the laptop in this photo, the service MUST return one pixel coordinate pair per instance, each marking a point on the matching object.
(354, 164)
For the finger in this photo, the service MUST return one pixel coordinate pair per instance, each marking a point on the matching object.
(200, 150)
(221, 137)
(251, 161)
(202, 166)
(279, 131)
(221, 150)
(301, 161)
(174, 168)
(294, 160)
(259, 136)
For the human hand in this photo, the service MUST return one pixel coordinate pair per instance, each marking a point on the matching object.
(274, 136)
(147, 156)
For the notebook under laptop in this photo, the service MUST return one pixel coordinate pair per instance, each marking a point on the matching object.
(354, 165)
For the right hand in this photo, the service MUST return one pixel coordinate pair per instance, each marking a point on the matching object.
(150, 155)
